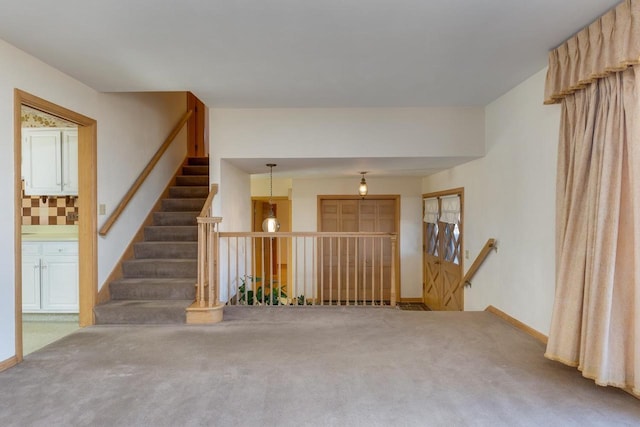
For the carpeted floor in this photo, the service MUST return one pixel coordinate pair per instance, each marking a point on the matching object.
(307, 366)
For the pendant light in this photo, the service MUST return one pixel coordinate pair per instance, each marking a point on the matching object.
(271, 223)
(363, 188)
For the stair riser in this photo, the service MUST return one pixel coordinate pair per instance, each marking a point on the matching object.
(178, 205)
(163, 268)
(196, 180)
(139, 316)
(148, 291)
(198, 161)
(189, 192)
(170, 250)
(175, 218)
(195, 170)
(168, 234)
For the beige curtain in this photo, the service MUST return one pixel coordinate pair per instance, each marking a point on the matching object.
(596, 315)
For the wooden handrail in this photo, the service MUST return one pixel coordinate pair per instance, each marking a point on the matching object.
(205, 212)
(491, 244)
(143, 175)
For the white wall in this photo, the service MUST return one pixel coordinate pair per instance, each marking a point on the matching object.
(260, 186)
(131, 127)
(234, 201)
(346, 132)
(305, 217)
(120, 151)
(510, 195)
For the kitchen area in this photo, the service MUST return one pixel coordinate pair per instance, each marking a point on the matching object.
(49, 228)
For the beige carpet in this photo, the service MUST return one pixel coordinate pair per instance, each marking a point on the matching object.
(306, 366)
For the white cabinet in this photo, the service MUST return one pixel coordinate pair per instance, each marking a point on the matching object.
(70, 162)
(50, 277)
(50, 161)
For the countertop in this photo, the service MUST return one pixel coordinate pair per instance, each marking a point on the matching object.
(49, 233)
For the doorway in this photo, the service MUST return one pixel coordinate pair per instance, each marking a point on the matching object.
(272, 255)
(87, 214)
(442, 243)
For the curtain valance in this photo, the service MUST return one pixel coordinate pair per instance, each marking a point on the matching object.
(431, 210)
(450, 209)
(608, 45)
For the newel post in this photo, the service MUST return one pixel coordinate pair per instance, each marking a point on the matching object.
(394, 248)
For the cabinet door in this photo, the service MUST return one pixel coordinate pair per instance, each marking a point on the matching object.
(70, 162)
(30, 284)
(41, 162)
(60, 283)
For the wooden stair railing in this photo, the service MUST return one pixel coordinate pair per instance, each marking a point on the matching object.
(144, 174)
(207, 308)
(292, 269)
(490, 245)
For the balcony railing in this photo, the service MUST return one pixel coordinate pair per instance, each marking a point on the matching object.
(306, 268)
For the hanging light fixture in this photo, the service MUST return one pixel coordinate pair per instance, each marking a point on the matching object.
(271, 223)
(363, 188)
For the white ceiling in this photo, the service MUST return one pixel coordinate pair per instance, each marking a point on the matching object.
(300, 53)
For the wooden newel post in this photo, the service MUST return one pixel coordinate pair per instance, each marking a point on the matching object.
(394, 248)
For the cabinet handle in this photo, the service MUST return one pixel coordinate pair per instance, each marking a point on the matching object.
(36, 266)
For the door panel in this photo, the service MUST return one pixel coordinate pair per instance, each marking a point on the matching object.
(431, 261)
(338, 256)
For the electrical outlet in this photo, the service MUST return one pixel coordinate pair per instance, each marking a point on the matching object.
(102, 209)
(466, 254)
(72, 216)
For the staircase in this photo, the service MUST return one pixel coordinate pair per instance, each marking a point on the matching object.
(158, 284)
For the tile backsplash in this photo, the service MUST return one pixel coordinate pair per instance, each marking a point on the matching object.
(55, 211)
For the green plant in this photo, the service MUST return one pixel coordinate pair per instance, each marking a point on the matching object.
(251, 297)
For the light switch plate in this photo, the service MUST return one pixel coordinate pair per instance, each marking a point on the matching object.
(102, 209)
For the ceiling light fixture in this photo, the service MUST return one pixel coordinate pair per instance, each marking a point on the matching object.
(363, 188)
(271, 223)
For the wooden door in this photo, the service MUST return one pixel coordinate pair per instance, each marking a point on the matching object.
(450, 268)
(338, 256)
(353, 272)
(442, 264)
(375, 258)
(197, 127)
(433, 292)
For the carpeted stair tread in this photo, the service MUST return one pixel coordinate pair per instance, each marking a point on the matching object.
(145, 288)
(189, 191)
(171, 250)
(142, 312)
(153, 267)
(165, 233)
(195, 170)
(197, 180)
(175, 218)
(176, 205)
(198, 161)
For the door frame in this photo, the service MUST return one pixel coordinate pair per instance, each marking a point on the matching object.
(459, 191)
(87, 212)
(395, 197)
